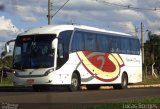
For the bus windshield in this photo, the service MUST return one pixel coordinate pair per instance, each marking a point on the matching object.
(33, 51)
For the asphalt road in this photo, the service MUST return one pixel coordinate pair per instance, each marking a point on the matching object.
(64, 99)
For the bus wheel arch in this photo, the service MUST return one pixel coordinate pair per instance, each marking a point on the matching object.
(75, 81)
(124, 82)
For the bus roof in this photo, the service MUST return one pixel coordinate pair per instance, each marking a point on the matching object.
(50, 29)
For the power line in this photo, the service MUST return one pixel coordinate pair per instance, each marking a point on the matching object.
(50, 16)
(61, 8)
(127, 6)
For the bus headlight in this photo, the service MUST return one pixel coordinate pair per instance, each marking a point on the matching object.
(16, 74)
(48, 72)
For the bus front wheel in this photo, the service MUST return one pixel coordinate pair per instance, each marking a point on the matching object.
(75, 83)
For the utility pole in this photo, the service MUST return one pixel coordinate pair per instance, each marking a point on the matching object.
(136, 31)
(49, 12)
(142, 42)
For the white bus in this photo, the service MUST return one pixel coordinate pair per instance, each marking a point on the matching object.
(75, 55)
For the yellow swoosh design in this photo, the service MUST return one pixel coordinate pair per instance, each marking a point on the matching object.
(107, 75)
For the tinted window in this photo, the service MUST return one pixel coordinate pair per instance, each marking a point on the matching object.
(63, 48)
(78, 41)
(65, 40)
(125, 45)
(135, 45)
(115, 45)
(90, 41)
(103, 43)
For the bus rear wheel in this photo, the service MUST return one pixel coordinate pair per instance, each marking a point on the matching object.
(124, 82)
(75, 83)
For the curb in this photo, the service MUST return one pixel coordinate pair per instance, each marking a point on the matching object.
(143, 86)
(134, 86)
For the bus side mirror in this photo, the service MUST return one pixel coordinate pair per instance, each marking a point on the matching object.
(7, 48)
(7, 51)
(54, 43)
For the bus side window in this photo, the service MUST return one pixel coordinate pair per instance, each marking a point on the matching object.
(78, 42)
(115, 44)
(63, 48)
(125, 45)
(90, 42)
(103, 43)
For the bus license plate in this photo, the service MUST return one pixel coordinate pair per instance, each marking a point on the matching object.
(30, 81)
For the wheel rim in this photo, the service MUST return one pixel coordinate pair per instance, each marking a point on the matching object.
(74, 82)
(124, 82)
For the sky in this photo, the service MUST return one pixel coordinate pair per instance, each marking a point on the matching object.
(124, 16)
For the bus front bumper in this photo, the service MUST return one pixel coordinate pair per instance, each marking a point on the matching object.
(57, 79)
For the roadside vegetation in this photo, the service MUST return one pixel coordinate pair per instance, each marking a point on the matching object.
(152, 55)
(149, 79)
(5, 71)
(7, 81)
(144, 103)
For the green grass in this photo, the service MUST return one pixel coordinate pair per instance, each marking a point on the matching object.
(106, 106)
(146, 100)
(150, 80)
(145, 103)
(6, 82)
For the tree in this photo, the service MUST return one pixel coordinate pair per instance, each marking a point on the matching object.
(5, 64)
(152, 52)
